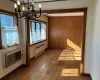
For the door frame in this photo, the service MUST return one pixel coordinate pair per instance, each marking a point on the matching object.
(61, 11)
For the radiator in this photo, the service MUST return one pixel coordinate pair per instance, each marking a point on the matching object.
(11, 57)
(39, 46)
(39, 49)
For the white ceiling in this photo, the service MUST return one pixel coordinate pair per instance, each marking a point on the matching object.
(38, 0)
(64, 4)
(46, 0)
(42, 0)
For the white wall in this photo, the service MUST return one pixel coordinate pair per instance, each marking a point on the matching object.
(22, 32)
(88, 44)
(6, 5)
(95, 59)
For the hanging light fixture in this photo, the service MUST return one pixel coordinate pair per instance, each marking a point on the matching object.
(26, 10)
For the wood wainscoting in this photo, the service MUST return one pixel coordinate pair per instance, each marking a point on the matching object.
(55, 33)
(65, 30)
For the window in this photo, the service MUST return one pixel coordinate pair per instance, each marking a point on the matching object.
(9, 31)
(37, 32)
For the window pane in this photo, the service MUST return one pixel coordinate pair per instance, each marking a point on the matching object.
(32, 33)
(8, 30)
(37, 26)
(33, 26)
(6, 21)
(38, 36)
(43, 31)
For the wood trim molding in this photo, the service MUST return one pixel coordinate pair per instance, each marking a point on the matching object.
(84, 38)
(88, 75)
(85, 74)
(38, 42)
(32, 20)
(0, 39)
(6, 12)
(64, 10)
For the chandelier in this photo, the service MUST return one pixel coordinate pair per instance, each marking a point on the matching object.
(27, 10)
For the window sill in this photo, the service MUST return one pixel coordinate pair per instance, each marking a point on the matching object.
(37, 42)
(10, 48)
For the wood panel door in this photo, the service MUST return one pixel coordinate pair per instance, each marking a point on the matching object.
(73, 32)
(55, 30)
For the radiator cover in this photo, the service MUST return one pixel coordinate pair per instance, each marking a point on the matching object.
(12, 57)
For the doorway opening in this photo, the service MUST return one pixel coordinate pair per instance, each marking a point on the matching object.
(67, 42)
(67, 30)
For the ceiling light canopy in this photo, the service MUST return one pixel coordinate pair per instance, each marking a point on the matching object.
(26, 10)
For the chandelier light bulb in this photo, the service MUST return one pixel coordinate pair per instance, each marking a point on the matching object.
(15, 5)
(32, 3)
(39, 5)
(18, 2)
(23, 8)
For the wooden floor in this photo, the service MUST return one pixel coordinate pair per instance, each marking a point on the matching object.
(50, 66)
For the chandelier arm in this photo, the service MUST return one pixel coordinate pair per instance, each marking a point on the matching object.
(19, 15)
(33, 14)
(18, 12)
(39, 14)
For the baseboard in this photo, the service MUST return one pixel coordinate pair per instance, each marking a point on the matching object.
(32, 58)
(85, 74)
